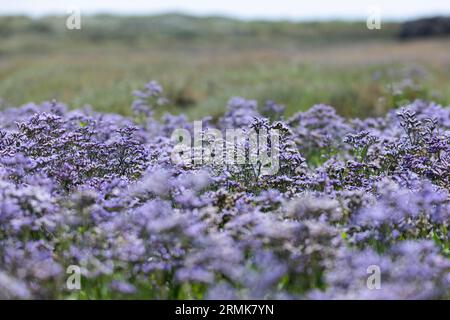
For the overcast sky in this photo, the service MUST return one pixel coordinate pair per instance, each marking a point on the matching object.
(247, 9)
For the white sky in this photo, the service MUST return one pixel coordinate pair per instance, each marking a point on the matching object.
(247, 9)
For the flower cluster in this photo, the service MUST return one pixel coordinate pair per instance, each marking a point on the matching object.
(101, 192)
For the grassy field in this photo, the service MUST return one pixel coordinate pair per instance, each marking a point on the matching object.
(202, 62)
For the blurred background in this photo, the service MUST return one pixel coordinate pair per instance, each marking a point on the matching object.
(296, 53)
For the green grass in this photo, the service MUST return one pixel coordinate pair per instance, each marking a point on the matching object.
(202, 62)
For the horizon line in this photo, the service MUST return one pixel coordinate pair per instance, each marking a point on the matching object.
(245, 18)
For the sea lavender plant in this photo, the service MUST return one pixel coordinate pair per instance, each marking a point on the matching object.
(101, 192)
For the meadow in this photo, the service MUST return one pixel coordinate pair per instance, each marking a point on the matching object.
(202, 62)
(116, 201)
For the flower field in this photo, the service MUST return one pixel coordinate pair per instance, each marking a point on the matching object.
(352, 200)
